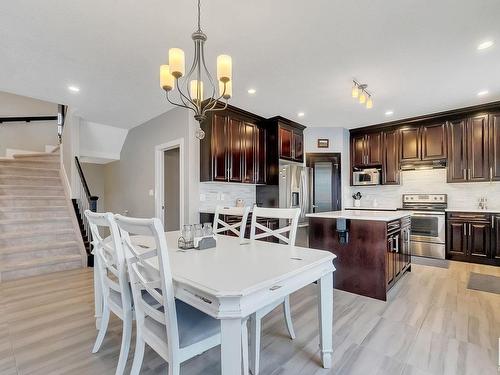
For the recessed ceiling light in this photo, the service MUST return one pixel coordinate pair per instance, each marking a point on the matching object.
(483, 93)
(389, 113)
(251, 91)
(486, 44)
(73, 88)
(301, 114)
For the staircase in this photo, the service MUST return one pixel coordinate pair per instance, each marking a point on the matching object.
(38, 230)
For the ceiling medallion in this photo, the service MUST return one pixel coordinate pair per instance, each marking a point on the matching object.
(191, 87)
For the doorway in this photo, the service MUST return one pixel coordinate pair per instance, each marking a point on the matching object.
(169, 176)
(326, 184)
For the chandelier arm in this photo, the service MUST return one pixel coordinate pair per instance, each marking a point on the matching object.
(183, 97)
(210, 79)
(221, 108)
(179, 105)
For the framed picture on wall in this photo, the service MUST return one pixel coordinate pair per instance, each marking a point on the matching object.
(323, 143)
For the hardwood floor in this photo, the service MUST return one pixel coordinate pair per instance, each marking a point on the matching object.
(432, 324)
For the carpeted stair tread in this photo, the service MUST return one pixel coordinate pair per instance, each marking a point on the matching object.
(38, 247)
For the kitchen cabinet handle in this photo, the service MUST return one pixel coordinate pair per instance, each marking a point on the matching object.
(491, 173)
(492, 222)
(465, 229)
(470, 229)
(469, 174)
(465, 174)
(396, 242)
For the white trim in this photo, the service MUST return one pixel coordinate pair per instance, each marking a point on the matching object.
(159, 178)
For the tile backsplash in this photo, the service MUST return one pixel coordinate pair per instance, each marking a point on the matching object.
(460, 195)
(213, 194)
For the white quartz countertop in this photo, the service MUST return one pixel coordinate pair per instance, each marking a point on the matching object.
(362, 215)
(475, 210)
(212, 210)
(372, 208)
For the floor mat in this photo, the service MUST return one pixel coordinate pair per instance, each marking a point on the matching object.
(433, 262)
(484, 283)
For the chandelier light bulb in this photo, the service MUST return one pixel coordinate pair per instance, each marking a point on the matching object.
(355, 91)
(369, 103)
(196, 90)
(224, 68)
(176, 62)
(167, 82)
(362, 97)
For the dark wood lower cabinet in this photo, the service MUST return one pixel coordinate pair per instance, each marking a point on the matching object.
(473, 237)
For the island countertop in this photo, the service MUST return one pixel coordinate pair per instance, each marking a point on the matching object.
(361, 215)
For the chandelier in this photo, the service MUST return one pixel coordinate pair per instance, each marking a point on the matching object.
(359, 91)
(190, 87)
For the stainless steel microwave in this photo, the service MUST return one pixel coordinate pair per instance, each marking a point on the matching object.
(369, 176)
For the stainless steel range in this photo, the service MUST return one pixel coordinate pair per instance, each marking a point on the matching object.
(428, 231)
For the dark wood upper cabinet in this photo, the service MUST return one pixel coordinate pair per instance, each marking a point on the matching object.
(457, 151)
(390, 165)
(434, 142)
(358, 150)
(410, 144)
(494, 135)
(298, 146)
(366, 149)
(234, 153)
(374, 148)
(249, 140)
(285, 142)
(219, 148)
(478, 148)
(230, 151)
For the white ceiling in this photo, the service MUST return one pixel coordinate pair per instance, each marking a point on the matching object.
(417, 56)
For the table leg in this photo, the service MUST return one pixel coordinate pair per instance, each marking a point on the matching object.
(325, 309)
(97, 294)
(231, 346)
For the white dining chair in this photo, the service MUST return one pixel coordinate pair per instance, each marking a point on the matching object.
(286, 234)
(176, 331)
(237, 228)
(110, 264)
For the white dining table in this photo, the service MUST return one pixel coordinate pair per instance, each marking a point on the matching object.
(235, 279)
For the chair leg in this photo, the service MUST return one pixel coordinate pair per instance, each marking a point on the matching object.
(102, 329)
(255, 328)
(244, 347)
(126, 337)
(138, 354)
(288, 317)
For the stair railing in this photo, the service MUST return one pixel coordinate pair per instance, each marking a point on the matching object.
(84, 201)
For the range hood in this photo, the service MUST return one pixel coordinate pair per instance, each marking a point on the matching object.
(423, 165)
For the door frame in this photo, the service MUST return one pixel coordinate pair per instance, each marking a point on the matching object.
(312, 157)
(160, 178)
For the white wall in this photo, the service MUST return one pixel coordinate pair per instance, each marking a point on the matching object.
(129, 180)
(94, 174)
(339, 143)
(460, 195)
(100, 143)
(26, 136)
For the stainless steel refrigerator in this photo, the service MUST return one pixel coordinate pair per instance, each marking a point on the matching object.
(295, 191)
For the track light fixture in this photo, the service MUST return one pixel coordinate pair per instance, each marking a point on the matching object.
(359, 92)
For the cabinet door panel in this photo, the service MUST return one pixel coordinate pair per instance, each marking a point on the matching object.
(494, 146)
(249, 146)
(298, 146)
(410, 144)
(389, 261)
(457, 239)
(434, 142)
(457, 151)
(390, 165)
(235, 128)
(477, 152)
(358, 150)
(261, 156)
(285, 142)
(219, 146)
(374, 148)
(479, 239)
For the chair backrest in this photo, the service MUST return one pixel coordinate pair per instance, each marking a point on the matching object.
(149, 244)
(109, 258)
(232, 227)
(290, 214)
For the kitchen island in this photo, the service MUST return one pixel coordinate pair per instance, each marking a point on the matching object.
(372, 248)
